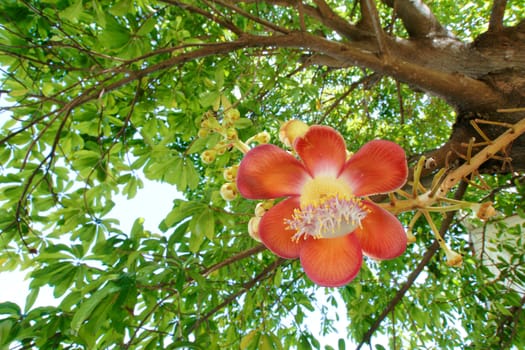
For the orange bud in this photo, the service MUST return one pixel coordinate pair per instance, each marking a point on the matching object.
(486, 211)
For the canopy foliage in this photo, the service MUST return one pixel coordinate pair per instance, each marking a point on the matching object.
(98, 95)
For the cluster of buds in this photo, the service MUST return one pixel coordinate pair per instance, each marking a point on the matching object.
(210, 124)
(225, 127)
(253, 225)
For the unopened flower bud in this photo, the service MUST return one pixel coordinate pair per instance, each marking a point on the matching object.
(232, 114)
(253, 228)
(230, 174)
(205, 124)
(486, 211)
(203, 132)
(260, 210)
(231, 134)
(262, 207)
(210, 123)
(291, 130)
(208, 156)
(453, 259)
(229, 191)
(262, 137)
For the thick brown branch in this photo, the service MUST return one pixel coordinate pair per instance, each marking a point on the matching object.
(496, 15)
(418, 19)
(329, 18)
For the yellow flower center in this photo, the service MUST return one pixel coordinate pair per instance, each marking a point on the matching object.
(321, 187)
(328, 209)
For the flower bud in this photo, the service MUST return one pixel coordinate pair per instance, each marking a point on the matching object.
(232, 114)
(231, 134)
(229, 191)
(262, 137)
(291, 130)
(230, 174)
(210, 123)
(203, 132)
(486, 211)
(260, 210)
(453, 259)
(208, 156)
(253, 228)
(205, 124)
(262, 207)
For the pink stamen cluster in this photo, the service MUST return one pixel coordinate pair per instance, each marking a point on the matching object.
(332, 217)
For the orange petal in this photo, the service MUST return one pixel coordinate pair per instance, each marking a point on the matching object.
(331, 262)
(267, 172)
(273, 232)
(379, 166)
(322, 149)
(381, 236)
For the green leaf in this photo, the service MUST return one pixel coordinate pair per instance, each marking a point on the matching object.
(88, 305)
(243, 123)
(182, 210)
(249, 339)
(9, 308)
(195, 241)
(147, 26)
(114, 36)
(31, 298)
(121, 8)
(204, 224)
(72, 12)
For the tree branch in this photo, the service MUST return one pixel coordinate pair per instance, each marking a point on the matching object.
(329, 18)
(246, 286)
(496, 15)
(418, 19)
(369, 11)
(482, 156)
(234, 258)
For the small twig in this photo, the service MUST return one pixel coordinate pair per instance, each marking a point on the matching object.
(246, 286)
(244, 254)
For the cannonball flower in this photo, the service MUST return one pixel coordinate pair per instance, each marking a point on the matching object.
(323, 219)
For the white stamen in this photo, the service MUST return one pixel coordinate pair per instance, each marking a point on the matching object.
(332, 217)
